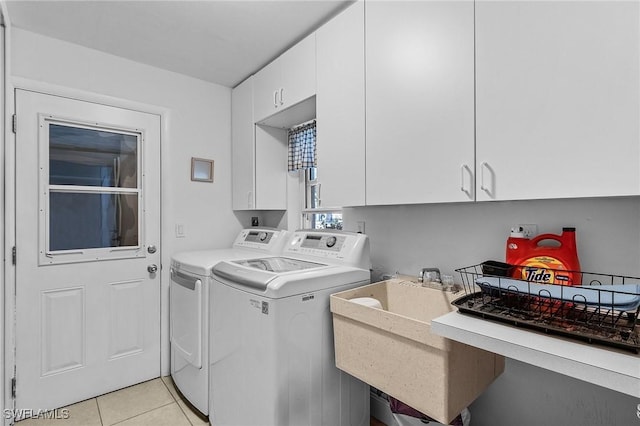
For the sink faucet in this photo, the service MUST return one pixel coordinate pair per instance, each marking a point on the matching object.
(431, 274)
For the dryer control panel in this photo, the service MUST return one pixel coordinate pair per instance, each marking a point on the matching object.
(263, 239)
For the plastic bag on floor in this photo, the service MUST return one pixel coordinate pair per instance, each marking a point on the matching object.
(404, 415)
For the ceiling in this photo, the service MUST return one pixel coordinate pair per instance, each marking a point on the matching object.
(219, 41)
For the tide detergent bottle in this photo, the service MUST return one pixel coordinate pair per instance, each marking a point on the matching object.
(544, 263)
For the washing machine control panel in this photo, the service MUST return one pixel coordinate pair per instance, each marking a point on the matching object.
(322, 242)
(337, 247)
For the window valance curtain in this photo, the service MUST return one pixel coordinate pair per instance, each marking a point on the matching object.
(302, 147)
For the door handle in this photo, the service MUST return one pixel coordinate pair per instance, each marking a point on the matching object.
(153, 268)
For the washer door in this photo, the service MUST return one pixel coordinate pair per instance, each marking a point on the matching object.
(186, 317)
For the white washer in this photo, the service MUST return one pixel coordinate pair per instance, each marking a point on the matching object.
(272, 354)
(189, 308)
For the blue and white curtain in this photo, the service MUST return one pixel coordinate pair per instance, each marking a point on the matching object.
(302, 147)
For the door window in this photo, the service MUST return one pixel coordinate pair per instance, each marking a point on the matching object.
(90, 202)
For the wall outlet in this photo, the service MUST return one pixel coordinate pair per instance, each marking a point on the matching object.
(529, 230)
(255, 221)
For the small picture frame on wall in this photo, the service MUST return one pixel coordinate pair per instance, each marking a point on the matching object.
(201, 170)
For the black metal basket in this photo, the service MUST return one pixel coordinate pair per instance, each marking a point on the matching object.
(600, 308)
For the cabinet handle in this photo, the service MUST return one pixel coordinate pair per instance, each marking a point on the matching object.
(275, 99)
(490, 190)
(281, 96)
(462, 185)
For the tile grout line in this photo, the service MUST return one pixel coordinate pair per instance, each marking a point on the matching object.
(185, 415)
(99, 412)
(177, 402)
(168, 390)
(144, 412)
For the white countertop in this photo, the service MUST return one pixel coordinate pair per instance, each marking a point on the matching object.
(611, 368)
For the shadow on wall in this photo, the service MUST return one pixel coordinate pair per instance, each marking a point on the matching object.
(266, 218)
(528, 395)
(450, 236)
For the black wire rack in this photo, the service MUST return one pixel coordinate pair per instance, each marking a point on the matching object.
(597, 308)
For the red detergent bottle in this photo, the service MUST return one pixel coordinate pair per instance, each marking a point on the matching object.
(552, 264)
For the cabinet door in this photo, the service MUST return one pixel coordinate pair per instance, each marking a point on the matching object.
(558, 99)
(271, 168)
(298, 68)
(340, 109)
(242, 146)
(419, 101)
(266, 91)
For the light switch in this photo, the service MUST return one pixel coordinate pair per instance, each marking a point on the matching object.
(179, 230)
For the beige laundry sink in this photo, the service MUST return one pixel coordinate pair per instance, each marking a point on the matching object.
(394, 350)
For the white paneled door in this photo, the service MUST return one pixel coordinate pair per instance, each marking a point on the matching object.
(88, 258)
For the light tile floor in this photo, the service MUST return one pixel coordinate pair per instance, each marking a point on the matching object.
(152, 403)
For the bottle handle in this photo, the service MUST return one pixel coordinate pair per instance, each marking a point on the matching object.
(543, 237)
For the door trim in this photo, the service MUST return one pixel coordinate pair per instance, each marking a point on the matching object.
(13, 84)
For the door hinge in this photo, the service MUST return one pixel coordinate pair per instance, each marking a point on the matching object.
(13, 387)
(14, 255)
(14, 123)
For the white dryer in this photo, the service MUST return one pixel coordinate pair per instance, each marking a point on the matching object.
(189, 307)
(272, 354)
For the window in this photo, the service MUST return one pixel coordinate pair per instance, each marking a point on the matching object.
(91, 191)
(314, 216)
(302, 158)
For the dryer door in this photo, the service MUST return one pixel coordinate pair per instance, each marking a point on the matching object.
(186, 316)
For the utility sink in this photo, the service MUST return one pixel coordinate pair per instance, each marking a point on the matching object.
(394, 350)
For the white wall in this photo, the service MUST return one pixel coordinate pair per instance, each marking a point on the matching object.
(449, 236)
(198, 122)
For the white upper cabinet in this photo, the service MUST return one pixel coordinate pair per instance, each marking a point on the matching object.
(242, 146)
(558, 99)
(419, 102)
(266, 89)
(340, 109)
(258, 157)
(288, 80)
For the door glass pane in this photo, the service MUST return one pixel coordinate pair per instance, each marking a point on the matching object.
(89, 157)
(84, 221)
